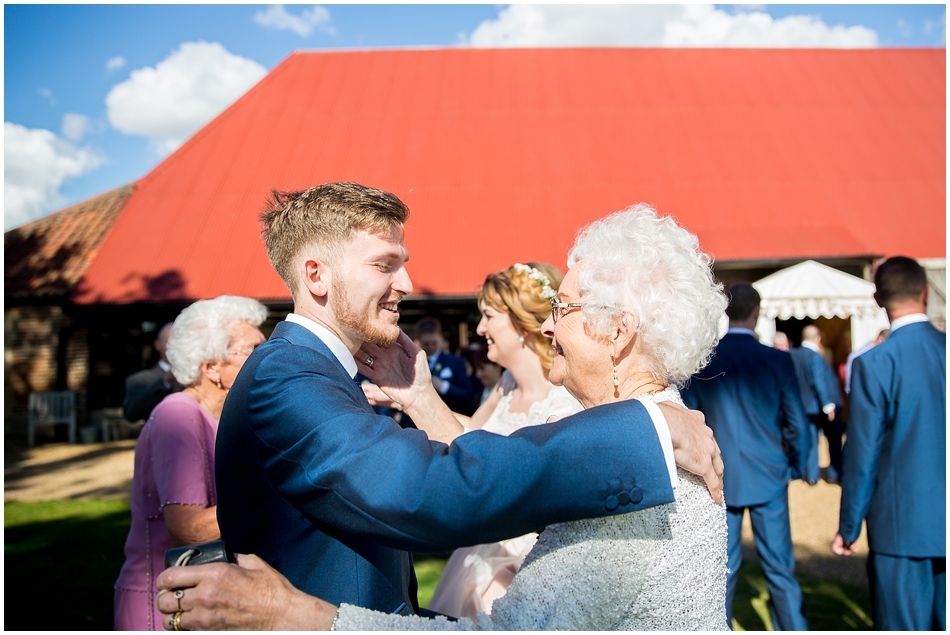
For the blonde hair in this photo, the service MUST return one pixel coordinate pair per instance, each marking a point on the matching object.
(522, 297)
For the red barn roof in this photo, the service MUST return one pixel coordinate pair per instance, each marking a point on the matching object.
(502, 154)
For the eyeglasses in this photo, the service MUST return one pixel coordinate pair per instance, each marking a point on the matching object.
(243, 351)
(558, 309)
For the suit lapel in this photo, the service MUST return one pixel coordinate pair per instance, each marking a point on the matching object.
(300, 336)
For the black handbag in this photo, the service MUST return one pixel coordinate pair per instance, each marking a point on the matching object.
(215, 551)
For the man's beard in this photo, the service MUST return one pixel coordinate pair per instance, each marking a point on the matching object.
(359, 325)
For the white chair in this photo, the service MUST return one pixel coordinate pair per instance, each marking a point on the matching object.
(50, 408)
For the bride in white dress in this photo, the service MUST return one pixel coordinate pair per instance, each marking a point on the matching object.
(636, 315)
(514, 304)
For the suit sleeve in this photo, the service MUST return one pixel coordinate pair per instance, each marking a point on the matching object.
(140, 400)
(341, 465)
(862, 451)
(819, 370)
(794, 421)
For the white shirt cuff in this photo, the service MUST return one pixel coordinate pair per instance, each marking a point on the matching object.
(443, 386)
(829, 408)
(666, 441)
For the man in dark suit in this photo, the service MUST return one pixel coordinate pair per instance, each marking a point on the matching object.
(145, 389)
(334, 496)
(449, 374)
(822, 400)
(895, 461)
(749, 394)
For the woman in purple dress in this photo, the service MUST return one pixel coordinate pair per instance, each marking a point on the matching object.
(173, 490)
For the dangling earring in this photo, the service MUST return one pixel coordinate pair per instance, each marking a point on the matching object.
(521, 339)
(616, 379)
(218, 380)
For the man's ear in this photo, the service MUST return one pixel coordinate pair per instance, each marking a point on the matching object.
(877, 299)
(623, 331)
(315, 277)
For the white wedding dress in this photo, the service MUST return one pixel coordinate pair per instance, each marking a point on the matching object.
(662, 568)
(466, 586)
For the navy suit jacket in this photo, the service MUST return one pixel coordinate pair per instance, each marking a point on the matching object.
(144, 390)
(816, 381)
(334, 496)
(459, 396)
(749, 394)
(895, 461)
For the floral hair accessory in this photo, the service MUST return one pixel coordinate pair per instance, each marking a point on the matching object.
(546, 291)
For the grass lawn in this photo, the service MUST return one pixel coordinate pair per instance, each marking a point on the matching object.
(64, 556)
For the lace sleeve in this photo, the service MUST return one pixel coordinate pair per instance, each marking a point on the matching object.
(355, 618)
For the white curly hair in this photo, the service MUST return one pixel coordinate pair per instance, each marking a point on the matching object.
(201, 334)
(650, 268)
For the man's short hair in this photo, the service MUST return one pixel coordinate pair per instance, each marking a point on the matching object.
(899, 278)
(428, 326)
(811, 333)
(743, 300)
(325, 217)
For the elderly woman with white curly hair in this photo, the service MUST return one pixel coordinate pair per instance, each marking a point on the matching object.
(173, 489)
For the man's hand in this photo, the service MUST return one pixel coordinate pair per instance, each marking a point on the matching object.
(250, 595)
(694, 447)
(840, 547)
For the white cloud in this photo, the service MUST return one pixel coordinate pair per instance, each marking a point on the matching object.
(181, 93)
(48, 94)
(74, 126)
(36, 163)
(115, 62)
(276, 17)
(659, 25)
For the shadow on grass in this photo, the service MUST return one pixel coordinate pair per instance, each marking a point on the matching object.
(62, 558)
(829, 605)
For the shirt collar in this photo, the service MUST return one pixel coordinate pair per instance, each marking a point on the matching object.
(334, 343)
(434, 359)
(164, 365)
(904, 320)
(811, 346)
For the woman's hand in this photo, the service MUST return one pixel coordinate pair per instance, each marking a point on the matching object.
(250, 595)
(401, 371)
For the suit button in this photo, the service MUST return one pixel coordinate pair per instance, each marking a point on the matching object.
(636, 495)
(623, 498)
(611, 503)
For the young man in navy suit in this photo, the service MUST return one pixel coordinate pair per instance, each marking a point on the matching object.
(895, 461)
(333, 496)
(749, 394)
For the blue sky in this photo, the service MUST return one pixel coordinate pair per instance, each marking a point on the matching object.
(96, 95)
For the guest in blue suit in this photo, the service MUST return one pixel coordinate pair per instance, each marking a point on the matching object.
(822, 400)
(449, 374)
(895, 461)
(749, 394)
(334, 496)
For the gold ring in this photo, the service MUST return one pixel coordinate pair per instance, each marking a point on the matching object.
(176, 621)
(369, 360)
